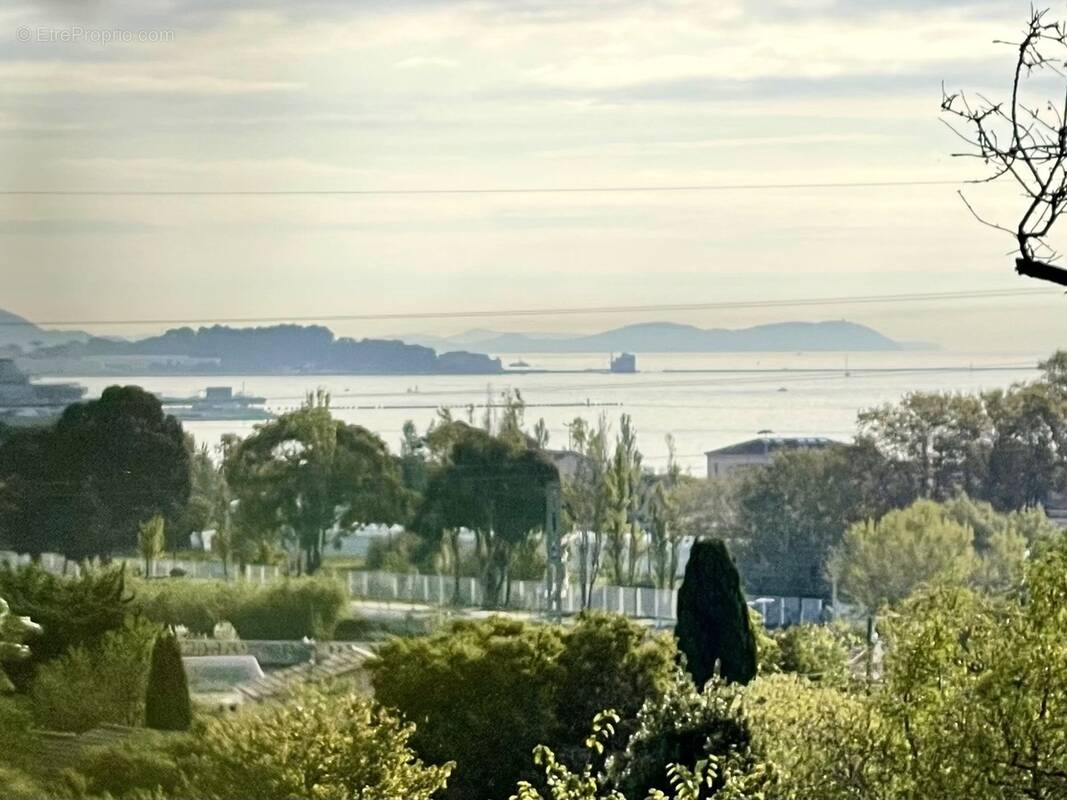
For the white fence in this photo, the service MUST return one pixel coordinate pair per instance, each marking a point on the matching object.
(639, 602)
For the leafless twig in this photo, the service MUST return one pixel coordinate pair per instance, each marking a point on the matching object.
(1028, 143)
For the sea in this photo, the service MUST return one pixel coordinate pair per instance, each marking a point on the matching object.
(705, 401)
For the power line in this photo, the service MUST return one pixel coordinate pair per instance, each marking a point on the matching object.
(636, 189)
(976, 294)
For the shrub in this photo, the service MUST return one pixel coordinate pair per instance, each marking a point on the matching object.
(289, 609)
(485, 693)
(315, 745)
(92, 685)
(72, 612)
(17, 743)
(814, 651)
(18, 785)
(683, 726)
(167, 703)
(142, 766)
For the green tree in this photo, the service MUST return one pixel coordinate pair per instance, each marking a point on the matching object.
(714, 627)
(881, 563)
(791, 514)
(209, 497)
(944, 437)
(665, 532)
(496, 488)
(150, 541)
(623, 490)
(167, 703)
(82, 486)
(309, 474)
(585, 500)
(1028, 445)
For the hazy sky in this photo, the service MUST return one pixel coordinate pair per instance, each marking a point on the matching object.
(417, 94)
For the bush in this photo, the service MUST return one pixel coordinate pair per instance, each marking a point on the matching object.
(814, 651)
(684, 726)
(315, 745)
(18, 785)
(167, 703)
(18, 745)
(289, 609)
(485, 693)
(142, 766)
(92, 685)
(72, 612)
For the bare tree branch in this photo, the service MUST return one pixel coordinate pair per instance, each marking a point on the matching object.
(1024, 141)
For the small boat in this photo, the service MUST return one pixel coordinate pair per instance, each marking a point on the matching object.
(520, 364)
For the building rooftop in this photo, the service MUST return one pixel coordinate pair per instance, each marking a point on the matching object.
(764, 445)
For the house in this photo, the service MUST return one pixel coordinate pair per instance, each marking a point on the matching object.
(566, 461)
(759, 452)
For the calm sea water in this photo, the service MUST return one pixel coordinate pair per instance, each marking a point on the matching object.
(705, 401)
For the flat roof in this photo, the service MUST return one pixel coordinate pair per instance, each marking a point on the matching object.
(770, 444)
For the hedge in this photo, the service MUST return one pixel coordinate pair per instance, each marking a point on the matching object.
(288, 609)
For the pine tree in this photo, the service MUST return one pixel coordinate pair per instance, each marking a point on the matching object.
(167, 704)
(713, 619)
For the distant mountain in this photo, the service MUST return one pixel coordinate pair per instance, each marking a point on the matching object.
(670, 337)
(20, 332)
(278, 349)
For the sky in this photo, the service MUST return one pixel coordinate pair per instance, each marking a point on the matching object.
(254, 96)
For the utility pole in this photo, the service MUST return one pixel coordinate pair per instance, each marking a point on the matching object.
(555, 573)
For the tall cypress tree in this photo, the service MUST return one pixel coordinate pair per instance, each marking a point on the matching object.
(167, 704)
(713, 620)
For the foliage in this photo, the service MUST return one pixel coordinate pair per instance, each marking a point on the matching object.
(607, 661)
(664, 522)
(791, 514)
(493, 486)
(72, 612)
(1004, 446)
(18, 739)
(585, 500)
(479, 693)
(484, 694)
(881, 563)
(19, 785)
(289, 609)
(684, 726)
(818, 652)
(167, 703)
(142, 768)
(209, 498)
(14, 630)
(823, 742)
(150, 541)
(314, 745)
(714, 629)
(309, 474)
(82, 486)
(95, 684)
